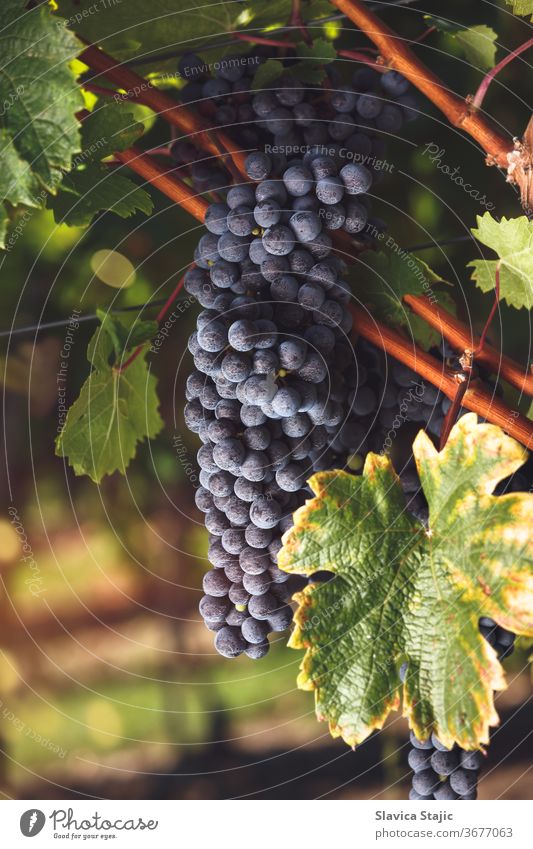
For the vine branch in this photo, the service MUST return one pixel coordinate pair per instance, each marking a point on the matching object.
(399, 56)
(461, 337)
(159, 317)
(142, 91)
(165, 181)
(386, 338)
(475, 397)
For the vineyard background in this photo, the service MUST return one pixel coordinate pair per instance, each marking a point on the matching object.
(109, 683)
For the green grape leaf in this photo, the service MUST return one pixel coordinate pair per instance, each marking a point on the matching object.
(512, 240)
(521, 7)
(89, 190)
(402, 592)
(267, 74)
(173, 25)
(113, 413)
(157, 26)
(125, 338)
(476, 43)
(110, 127)
(314, 58)
(386, 276)
(39, 132)
(273, 13)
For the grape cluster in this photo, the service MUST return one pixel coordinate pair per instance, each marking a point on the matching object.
(274, 374)
(343, 121)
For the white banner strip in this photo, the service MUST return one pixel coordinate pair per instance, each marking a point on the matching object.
(267, 824)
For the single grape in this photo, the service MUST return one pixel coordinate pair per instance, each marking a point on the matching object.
(215, 583)
(357, 179)
(444, 763)
(215, 218)
(265, 512)
(240, 221)
(262, 606)
(256, 652)
(278, 240)
(418, 759)
(298, 180)
(394, 84)
(463, 781)
(281, 619)
(330, 190)
(253, 561)
(229, 642)
(425, 782)
(305, 225)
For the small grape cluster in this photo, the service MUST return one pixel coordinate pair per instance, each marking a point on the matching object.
(269, 393)
(442, 773)
(345, 121)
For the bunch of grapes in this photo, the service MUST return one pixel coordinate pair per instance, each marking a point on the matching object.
(269, 393)
(278, 391)
(344, 121)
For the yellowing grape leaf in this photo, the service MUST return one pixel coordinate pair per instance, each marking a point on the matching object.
(521, 7)
(512, 239)
(404, 592)
(115, 410)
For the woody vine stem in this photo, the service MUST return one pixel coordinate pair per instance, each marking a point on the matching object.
(216, 143)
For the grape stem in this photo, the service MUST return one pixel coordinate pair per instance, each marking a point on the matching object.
(386, 338)
(399, 56)
(479, 96)
(422, 37)
(467, 361)
(481, 344)
(258, 39)
(159, 317)
(451, 416)
(296, 20)
(141, 91)
(361, 57)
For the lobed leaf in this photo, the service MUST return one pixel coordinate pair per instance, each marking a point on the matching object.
(476, 43)
(512, 240)
(386, 276)
(115, 410)
(404, 592)
(39, 132)
(89, 190)
(521, 7)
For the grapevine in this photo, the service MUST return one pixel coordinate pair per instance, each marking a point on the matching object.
(352, 420)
